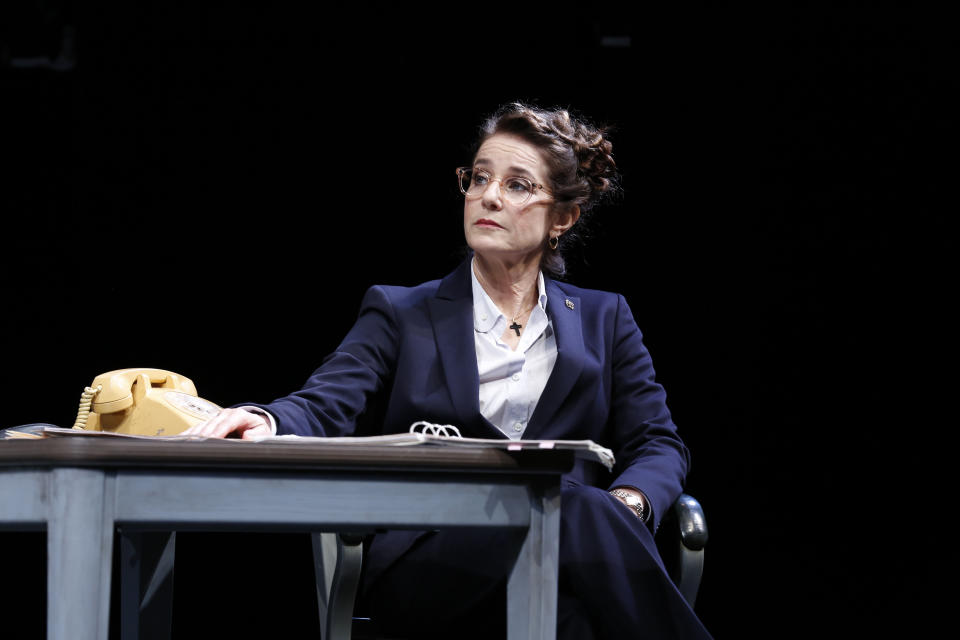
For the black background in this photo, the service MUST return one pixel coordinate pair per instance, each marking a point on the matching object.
(210, 190)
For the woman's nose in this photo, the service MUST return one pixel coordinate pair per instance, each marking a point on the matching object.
(491, 195)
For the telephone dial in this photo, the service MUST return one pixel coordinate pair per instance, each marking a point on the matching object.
(146, 402)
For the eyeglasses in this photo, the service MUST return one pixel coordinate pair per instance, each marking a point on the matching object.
(516, 190)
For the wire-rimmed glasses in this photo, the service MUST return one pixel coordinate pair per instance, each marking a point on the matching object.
(515, 189)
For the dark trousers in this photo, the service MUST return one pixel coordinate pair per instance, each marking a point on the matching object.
(612, 582)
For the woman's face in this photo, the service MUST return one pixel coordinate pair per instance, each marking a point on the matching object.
(498, 229)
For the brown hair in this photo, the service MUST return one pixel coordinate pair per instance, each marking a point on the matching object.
(579, 160)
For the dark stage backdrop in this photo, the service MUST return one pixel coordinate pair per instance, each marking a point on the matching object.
(210, 189)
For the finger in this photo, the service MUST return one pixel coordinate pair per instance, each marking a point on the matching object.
(216, 427)
(232, 421)
(205, 429)
(259, 431)
(225, 423)
(195, 429)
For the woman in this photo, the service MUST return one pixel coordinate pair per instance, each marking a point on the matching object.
(553, 361)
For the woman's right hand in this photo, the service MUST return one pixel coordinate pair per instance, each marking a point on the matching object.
(238, 422)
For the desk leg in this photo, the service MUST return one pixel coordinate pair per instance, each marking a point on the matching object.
(532, 586)
(79, 554)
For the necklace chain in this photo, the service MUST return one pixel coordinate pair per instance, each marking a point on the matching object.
(516, 326)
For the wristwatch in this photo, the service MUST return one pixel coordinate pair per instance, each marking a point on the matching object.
(634, 502)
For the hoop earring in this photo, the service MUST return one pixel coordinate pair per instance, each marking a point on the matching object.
(554, 242)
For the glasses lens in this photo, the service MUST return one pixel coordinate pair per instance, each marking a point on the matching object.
(517, 190)
(465, 176)
(477, 181)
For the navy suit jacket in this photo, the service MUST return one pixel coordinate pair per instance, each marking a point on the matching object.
(410, 356)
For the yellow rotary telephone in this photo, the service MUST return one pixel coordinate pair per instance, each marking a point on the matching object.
(150, 402)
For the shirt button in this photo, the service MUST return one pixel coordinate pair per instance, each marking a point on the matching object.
(518, 427)
(515, 377)
(483, 317)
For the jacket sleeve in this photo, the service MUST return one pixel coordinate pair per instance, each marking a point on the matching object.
(650, 455)
(341, 389)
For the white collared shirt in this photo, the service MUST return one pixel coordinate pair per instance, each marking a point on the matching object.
(511, 381)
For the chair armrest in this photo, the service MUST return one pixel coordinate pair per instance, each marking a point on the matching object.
(693, 525)
(681, 541)
(338, 558)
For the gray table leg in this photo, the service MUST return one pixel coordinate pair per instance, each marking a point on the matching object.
(79, 554)
(532, 586)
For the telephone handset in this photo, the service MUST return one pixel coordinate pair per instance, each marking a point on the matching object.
(150, 402)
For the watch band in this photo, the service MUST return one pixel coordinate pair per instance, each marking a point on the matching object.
(634, 502)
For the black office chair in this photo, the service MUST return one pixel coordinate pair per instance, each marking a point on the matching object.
(338, 559)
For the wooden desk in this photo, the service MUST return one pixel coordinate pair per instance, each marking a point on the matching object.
(81, 488)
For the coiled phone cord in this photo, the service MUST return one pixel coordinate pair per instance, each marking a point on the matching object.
(86, 399)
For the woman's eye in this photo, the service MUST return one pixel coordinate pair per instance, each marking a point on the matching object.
(517, 184)
(480, 178)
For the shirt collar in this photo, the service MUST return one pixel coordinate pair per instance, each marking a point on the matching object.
(486, 314)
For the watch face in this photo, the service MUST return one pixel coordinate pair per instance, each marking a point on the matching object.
(196, 407)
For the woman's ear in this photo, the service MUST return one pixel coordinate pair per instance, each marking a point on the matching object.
(565, 219)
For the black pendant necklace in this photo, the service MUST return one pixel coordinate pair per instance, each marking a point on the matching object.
(516, 326)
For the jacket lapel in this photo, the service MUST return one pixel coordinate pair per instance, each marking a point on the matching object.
(451, 312)
(564, 311)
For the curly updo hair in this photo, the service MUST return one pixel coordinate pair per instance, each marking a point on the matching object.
(580, 165)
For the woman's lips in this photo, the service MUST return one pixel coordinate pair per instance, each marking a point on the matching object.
(484, 222)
